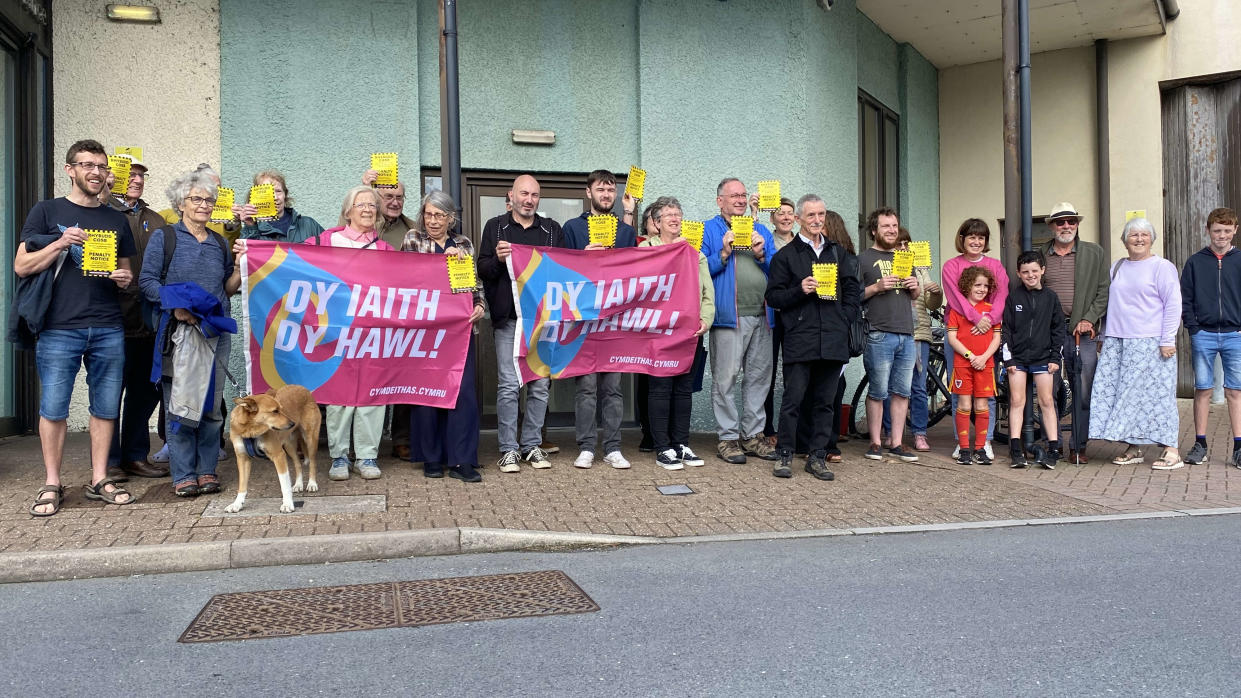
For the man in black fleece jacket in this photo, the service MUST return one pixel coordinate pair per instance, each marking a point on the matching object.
(1032, 331)
(1211, 311)
(521, 225)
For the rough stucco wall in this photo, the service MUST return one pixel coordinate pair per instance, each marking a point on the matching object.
(971, 155)
(919, 147)
(878, 58)
(312, 89)
(169, 104)
(830, 158)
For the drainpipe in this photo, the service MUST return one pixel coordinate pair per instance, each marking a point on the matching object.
(1171, 9)
(1103, 157)
(450, 105)
(1011, 235)
(1023, 81)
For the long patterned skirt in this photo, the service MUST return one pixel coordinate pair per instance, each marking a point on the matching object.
(1134, 394)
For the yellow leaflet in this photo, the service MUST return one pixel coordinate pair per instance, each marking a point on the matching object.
(223, 209)
(119, 164)
(602, 230)
(825, 277)
(132, 151)
(921, 250)
(743, 231)
(902, 264)
(263, 197)
(636, 184)
(387, 167)
(461, 277)
(99, 253)
(692, 232)
(769, 194)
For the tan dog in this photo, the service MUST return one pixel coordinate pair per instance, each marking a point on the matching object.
(284, 423)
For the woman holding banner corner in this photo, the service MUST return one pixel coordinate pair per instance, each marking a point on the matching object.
(357, 228)
(670, 398)
(442, 437)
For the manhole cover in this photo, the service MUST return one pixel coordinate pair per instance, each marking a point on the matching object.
(315, 610)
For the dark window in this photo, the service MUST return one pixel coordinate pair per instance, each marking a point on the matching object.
(878, 158)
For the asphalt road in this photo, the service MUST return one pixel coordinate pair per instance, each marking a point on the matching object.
(1143, 607)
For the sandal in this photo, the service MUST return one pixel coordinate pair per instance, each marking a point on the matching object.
(99, 491)
(1131, 456)
(1168, 461)
(208, 484)
(58, 497)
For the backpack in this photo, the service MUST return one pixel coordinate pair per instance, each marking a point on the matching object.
(153, 310)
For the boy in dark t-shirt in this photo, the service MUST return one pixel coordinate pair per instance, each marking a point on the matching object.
(82, 323)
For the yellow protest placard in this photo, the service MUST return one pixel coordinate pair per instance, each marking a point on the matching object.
(635, 185)
(743, 231)
(692, 232)
(461, 276)
(921, 250)
(902, 264)
(223, 210)
(99, 253)
(388, 168)
(263, 197)
(119, 164)
(825, 276)
(1139, 213)
(132, 151)
(769, 195)
(602, 230)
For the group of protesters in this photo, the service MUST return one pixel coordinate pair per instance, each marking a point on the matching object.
(155, 329)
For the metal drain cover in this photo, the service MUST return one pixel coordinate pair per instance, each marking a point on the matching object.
(315, 610)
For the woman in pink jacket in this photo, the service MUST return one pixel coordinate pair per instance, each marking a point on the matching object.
(973, 241)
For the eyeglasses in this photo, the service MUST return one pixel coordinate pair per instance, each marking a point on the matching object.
(436, 215)
(1059, 222)
(200, 200)
(392, 197)
(365, 206)
(138, 175)
(742, 195)
(92, 166)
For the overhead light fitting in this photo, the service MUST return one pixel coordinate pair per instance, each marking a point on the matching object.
(139, 14)
(534, 137)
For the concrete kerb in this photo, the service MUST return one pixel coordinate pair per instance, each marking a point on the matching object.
(59, 565)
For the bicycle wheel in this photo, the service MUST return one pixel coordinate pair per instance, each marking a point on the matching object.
(858, 428)
(938, 397)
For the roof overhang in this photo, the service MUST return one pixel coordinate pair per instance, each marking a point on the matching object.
(960, 32)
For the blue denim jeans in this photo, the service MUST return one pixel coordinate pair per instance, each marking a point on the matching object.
(889, 362)
(193, 451)
(919, 412)
(1206, 345)
(60, 353)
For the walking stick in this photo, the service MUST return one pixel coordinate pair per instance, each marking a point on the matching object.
(1075, 376)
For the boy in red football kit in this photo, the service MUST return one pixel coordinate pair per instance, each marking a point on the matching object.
(973, 371)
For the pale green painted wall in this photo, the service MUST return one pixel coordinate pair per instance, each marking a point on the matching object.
(691, 90)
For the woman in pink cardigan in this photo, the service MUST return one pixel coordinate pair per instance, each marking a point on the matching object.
(973, 240)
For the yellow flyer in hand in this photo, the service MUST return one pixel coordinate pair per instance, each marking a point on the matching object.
(743, 231)
(769, 195)
(99, 253)
(635, 185)
(461, 277)
(387, 166)
(134, 152)
(119, 164)
(921, 250)
(902, 264)
(263, 197)
(692, 232)
(825, 277)
(223, 210)
(602, 230)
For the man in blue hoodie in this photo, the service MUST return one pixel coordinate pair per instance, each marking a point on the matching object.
(1211, 311)
(741, 334)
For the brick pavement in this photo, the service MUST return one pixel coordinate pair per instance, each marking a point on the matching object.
(729, 498)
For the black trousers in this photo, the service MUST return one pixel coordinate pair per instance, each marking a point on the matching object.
(816, 380)
(131, 439)
(804, 427)
(669, 402)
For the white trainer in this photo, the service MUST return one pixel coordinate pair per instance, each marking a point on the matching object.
(616, 460)
(585, 459)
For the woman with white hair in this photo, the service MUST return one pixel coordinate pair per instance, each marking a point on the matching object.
(1134, 397)
(357, 228)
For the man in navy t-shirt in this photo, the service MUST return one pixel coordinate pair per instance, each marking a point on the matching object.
(82, 323)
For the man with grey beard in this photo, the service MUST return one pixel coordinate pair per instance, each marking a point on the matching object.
(1078, 272)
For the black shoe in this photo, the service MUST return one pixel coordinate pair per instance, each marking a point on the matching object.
(646, 445)
(187, 490)
(981, 457)
(435, 470)
(1019, 459)
(965, 457)
(465, 473)
(1053, 454)
(785, 467)
(817, 466)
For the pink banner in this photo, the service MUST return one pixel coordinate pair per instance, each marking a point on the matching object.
(629, 310)
(356, 327)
